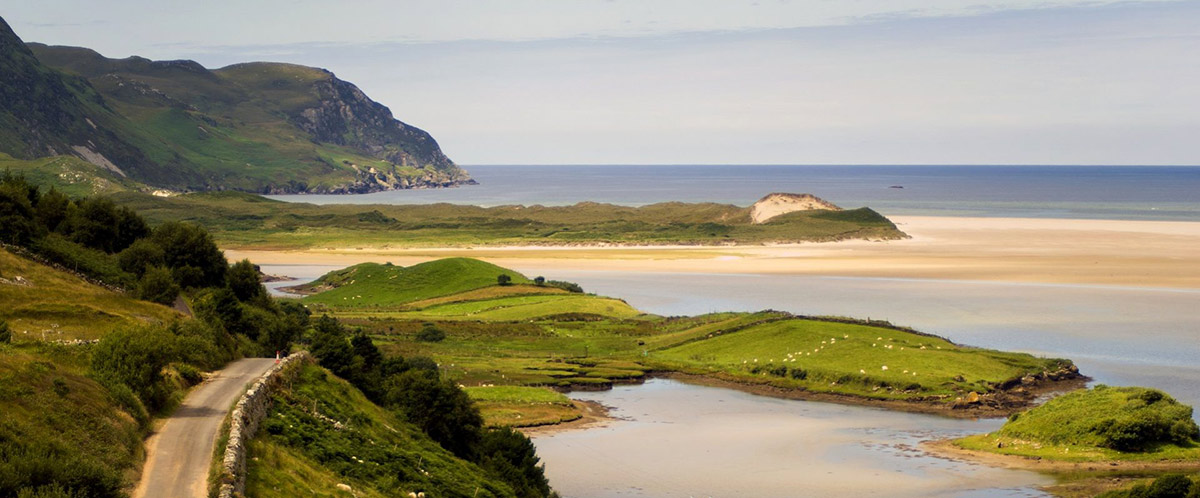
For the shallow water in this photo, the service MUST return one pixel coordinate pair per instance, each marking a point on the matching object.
(1117, 335)
(682, 440)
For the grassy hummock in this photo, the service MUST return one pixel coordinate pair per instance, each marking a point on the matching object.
(1099, 424)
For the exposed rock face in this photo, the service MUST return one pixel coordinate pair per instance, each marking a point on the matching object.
(345, 116)
(777, 204)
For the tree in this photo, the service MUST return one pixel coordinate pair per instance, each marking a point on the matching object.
(53, 209)
(16, 215)
(504, 279)
(140, 256)
(191, 254)
(157, 285)
(439, 408)
(539, 281)
(244, 282)
(511, 456)
(130, 227)
(96, 224)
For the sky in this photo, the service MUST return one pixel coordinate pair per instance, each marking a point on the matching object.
(714, 82)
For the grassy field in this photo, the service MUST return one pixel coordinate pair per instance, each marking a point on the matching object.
(300, 452)
(851, 358)
(381, 285)
(1099, 424)
(68, 174)
(247, 221)
(518, 406)
(41, 303)
(502, 336)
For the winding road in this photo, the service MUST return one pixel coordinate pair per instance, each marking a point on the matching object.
(179, 454)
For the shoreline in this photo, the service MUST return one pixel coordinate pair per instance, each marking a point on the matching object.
(945, 448)
(907, 406)
(1139, 254)
(593, 414)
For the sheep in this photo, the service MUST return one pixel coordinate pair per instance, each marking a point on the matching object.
(345, 487)
(885, 367)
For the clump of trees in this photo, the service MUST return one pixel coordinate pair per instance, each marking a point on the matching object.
(416, 391)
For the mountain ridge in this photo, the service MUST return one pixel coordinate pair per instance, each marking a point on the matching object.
(258, 126)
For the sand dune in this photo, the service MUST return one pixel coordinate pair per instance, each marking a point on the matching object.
(1104, 252)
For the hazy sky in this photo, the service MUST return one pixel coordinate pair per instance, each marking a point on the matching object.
(693, 81)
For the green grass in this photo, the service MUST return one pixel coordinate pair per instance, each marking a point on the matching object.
(299, 451)
(843, 357)
(515, 406)
(54, 305)
(372, 284)
(1071, 427)
(246, 221)
(68, 174)
(523, 308)
(565, 340)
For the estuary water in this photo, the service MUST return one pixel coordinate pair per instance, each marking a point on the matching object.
(1100, 192)
(675, 439)
(681, 440)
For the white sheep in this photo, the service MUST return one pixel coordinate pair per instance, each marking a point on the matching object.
(345, 487)
(885, 367)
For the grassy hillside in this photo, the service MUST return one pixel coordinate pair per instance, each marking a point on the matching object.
(323, 432)
(1099, 424)
(175, 124)
(244, 221)
(372, 284)
(41, 303)
(70, 175)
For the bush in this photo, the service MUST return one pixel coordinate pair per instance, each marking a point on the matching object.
(430, 333)
(245, 283)
(1170, 486)
(158, 286)
(140, 256)
(191, 254)
(135, 358)
(5, 333)
(504, 279)
(567, 286)
(40, 470)
(188, 373)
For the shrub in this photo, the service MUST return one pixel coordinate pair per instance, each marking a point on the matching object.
(567, 286)
(245, 283)
(157, 286)
(430, 333)
(1170, 486)
(41, 470)
(504, 279)
(511, 456)
(135, 358)
(5, 332)
(539, 281)
(140, 256)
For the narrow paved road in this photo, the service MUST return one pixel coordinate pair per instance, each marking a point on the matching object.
(179, 454)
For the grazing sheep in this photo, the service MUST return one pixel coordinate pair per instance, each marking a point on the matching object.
(885, 367)
(345, 487)
(861, 371)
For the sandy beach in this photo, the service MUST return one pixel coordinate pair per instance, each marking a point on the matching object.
(1060, 251)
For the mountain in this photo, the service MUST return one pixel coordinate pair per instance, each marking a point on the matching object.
(259, 127)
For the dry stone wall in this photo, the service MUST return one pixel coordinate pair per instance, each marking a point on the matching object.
(247, 414)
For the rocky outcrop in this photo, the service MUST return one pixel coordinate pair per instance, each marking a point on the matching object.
(777, 204)
(243, 422)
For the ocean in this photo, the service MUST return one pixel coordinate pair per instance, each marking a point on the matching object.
(1085, 192)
